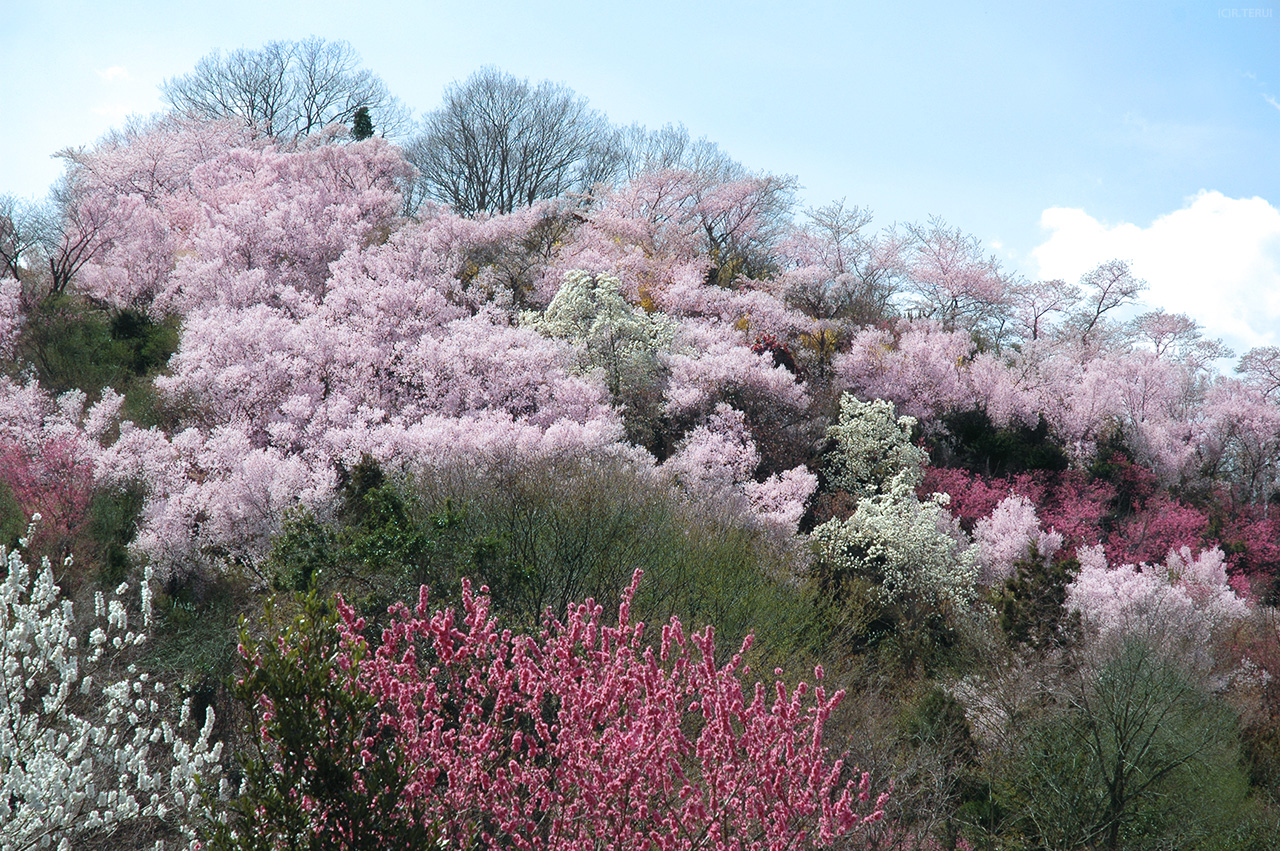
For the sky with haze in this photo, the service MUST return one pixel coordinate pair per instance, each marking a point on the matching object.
(1062, 134)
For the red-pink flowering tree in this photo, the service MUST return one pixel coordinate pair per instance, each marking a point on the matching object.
(583, 735)
(49, 449)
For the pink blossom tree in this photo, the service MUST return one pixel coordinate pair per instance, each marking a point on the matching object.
(583, 734)
(1190, 590)
(716, 464)
(950, 280)
(1010, 534)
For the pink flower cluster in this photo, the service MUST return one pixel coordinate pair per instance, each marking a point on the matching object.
(586, 735)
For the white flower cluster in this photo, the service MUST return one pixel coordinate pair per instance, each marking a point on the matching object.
(916, 548)
(81, 748)
(872, 448)
(591, 312)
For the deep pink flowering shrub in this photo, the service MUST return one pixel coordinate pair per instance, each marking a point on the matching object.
(1068, 501)
(586, 736)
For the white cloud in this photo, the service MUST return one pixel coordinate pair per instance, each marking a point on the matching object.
(1217, 260)
(115, 72)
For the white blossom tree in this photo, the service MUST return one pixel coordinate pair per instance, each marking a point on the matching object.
(591, 312)
(912, 550)
(872, 448)
(85, 743)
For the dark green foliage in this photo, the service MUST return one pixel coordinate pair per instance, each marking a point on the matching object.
(1133, 483)
(974, 443)
(545, 534)
(361, 124)
(113, 518)
(195, 635)
(317, 773)
(938, 721)
(76, 346)
(379, 547)
(70, 346)
(144, 346)
(1140, 755)
(302, 551)
(946, 762)
(1032, 604)
(12, 523)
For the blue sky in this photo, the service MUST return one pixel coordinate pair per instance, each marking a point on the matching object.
(1057, 132)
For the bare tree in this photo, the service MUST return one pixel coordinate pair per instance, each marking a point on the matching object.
(71, 230)
(286, 90)
(499, 143)
(1107, 287)
(19, 234)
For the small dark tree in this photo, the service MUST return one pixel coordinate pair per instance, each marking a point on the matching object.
(362, 124)
(1032, 605)
(319, 770)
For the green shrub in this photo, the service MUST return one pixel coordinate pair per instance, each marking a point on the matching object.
(308, 742)
(1139, 754)
(73, 345)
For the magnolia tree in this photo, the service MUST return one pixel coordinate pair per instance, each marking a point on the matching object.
(86, 745)
(582, 735)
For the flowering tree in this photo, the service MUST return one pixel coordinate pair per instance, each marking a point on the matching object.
(10, 313)
(872, 448)
(1009, 535)
(912, 549)
(83, 749)
(1192, 591)
(949, 280)
(580, 736)
(836, 270)
(716, 463)
(591, 313)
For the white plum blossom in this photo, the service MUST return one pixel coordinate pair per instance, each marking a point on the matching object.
(84, 746)
(591, 312)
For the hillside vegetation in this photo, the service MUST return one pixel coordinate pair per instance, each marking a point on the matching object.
(1004, 552)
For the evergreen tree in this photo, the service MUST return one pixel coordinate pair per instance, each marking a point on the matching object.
(362, 124)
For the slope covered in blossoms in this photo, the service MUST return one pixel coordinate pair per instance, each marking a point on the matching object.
(270, 371)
